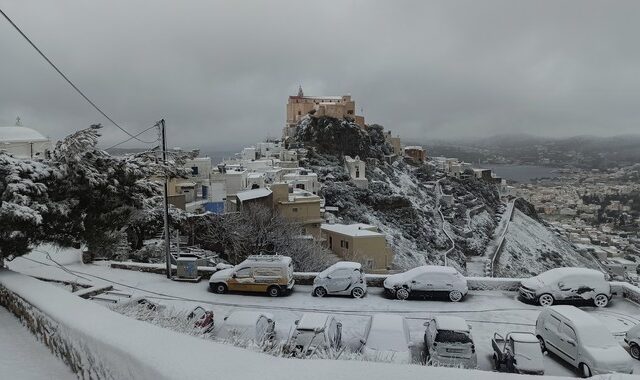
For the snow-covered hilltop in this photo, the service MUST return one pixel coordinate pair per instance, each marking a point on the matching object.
(425, 214)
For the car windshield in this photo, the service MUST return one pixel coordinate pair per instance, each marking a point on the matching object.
(448, 336)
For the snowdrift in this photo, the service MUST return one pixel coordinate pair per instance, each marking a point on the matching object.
(101, 344)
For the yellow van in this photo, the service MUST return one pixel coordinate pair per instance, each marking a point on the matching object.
(271, 274)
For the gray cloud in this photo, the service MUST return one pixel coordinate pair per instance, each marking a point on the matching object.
(220, 72)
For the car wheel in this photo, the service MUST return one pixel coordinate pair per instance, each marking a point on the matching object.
(220, 288)
(585, 371)
(455, 295)
(634, 350)
(319, 291)
(601, 300)
(543, 346)
(546, 300)
(357, 293)
(273, 291)
(402, 294)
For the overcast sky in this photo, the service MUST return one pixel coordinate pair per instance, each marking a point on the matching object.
(220, 72)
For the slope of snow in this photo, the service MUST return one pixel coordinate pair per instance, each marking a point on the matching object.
(22, 357)
(531, 248)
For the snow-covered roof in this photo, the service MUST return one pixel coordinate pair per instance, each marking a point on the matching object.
(579, 318)
(558, 273)
(355, 230)
(20, 134)
(416, 147)
(340, 265)
(253, 194)
(313, 321)
(244, 318)
(524, 337)
(447, 322)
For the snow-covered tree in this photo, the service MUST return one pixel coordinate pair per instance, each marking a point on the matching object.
(81, 195)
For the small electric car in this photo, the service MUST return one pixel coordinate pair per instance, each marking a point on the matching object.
(342, 278)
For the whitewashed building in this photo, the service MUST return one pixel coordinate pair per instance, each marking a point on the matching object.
(356, 169)
(24, 143)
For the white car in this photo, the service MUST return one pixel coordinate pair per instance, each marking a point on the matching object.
(387, 339)
(567, 284)
(581, 340)
(342, 278)
(632, 338)
(448, 342)
(314, 332)
(427, 281)
(248, 326)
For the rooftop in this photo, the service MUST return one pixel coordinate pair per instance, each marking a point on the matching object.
(253, 194)
(20, 134)
(355, 230)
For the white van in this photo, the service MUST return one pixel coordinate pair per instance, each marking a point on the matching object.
(342, 278)
(581, 340)
(271, 274)
(448, 342)
(314, 332)
(567, 284)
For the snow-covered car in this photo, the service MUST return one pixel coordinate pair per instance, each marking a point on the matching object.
(581, 340)
(314, 332)
(567, 284)
(248, 327)
(387, 339)
(518, 352)
(342, 278)
(632, 338)
(427, 281)
(271, 274)
(448, 342)
(202, 319)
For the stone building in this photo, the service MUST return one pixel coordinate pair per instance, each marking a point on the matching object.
(333, 106)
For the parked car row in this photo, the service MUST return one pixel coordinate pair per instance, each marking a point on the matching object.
(273, 275)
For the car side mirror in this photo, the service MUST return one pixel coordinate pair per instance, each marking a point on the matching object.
(426, 324)
(234, 275)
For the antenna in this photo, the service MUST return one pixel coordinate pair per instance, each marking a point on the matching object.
(18, 122)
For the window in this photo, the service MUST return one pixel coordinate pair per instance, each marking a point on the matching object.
(299, 113)
(350, 112)
(330, 242)
(243, 273)
(295, 209)
(569, 332)
(346, 244)
(194, 170)
(300, 186)
(357, 172)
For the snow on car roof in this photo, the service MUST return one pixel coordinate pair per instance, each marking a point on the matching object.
(387, 322)
(244, 318)
(431, 269)
(340, 265)
(556, 273)
(524, 338)
(579, 317)
(387, 332)
(451, 323)
(312, 321)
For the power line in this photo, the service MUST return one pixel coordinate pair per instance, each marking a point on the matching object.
(136, 135)
(67, 79)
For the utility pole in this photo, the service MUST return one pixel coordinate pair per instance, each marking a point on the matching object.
(167, 238)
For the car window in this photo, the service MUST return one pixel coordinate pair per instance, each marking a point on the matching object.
(448, 336)
(569, 332)
(243, 272)
(554, 324)
(341, 273)
(267, 272)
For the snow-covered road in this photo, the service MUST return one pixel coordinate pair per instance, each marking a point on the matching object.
(486, 311)
(22, 357)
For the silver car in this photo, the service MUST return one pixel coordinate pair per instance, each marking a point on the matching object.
(567, 284)
(342, 278)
